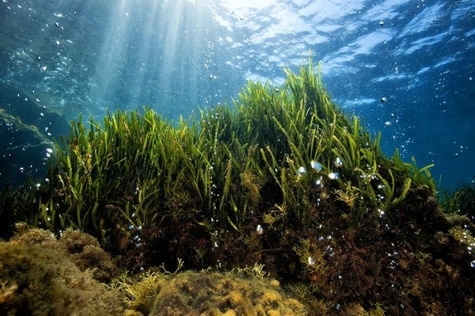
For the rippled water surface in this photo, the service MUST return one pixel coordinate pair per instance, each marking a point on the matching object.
(406, 66)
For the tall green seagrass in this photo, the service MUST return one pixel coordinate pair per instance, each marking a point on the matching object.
(271, 151)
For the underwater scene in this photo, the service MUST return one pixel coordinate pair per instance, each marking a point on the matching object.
(206, 157)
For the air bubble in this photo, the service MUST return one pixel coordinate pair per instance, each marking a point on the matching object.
(311, 261)
(338, 162)
(301, 170)
(259, 229)
(316, 165)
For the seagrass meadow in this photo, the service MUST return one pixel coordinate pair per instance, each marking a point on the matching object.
(281, 183)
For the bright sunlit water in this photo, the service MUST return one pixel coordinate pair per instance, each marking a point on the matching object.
(405, 66)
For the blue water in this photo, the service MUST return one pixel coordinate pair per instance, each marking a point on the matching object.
(91, 56)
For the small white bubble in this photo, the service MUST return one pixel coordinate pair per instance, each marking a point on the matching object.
(316, 165)
(338, 162)
(301, 170)
(310, 261)
(259, 229)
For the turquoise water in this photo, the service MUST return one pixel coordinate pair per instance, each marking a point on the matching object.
(407, 67)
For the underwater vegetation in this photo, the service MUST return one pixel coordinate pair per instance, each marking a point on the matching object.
(234, 161)
(41, 275)
(281, 178)
(460, 201)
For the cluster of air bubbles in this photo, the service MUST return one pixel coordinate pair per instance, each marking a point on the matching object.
(460, 149)
(318, 168)
(394, 256)
(136, 240)
(214, 236)
(328, 249)
(369, 176)
(319, 182)
(468, 240)
(380, 195)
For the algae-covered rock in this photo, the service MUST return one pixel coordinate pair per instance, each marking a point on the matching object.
(81, 248)
(36, 280)
(209, 294)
